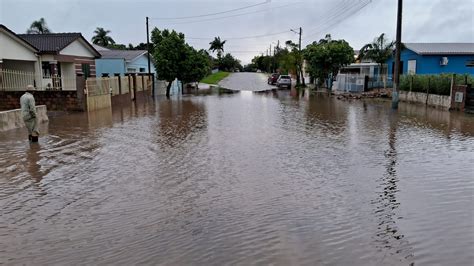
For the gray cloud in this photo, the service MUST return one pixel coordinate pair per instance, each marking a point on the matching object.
(424, 20)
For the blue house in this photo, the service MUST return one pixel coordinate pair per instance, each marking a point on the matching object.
(436, 58)
(119, 62)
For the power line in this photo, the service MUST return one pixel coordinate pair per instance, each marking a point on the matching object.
(212, 14)
(240, 38)
(230, 16)
(346, 13)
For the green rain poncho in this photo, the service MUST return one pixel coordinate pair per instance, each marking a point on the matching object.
(28, 112)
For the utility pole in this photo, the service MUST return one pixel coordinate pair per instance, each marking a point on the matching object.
(149, 65)
(301, 59)
(398, 46)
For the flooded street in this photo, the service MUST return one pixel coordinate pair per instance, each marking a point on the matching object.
(241, 179)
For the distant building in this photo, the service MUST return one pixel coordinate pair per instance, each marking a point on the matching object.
(436, 58)
(119, 62)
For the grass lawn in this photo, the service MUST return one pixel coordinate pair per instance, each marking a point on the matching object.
(215, 78)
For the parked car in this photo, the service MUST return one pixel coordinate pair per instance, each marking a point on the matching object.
(284, 80)
(272, 79)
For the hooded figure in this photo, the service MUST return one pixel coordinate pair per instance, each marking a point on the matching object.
(28, 112)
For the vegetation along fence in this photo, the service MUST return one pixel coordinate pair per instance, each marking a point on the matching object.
(433, 84)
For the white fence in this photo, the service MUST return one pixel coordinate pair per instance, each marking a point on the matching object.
(14, 80)
(356, 82)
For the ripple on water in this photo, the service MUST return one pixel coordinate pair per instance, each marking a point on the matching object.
(241, 179)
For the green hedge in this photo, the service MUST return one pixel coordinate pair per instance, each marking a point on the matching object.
(434, 84)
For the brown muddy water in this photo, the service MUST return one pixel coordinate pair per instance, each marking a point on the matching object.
(241, 179)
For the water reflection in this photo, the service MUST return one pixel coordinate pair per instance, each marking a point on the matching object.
(179, 120)
(250, 178)
(32, 162)
(388, 238)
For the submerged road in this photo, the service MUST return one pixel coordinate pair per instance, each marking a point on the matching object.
(246, 81)
(241, 179)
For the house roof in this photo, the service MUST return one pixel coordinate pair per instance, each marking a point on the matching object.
(16, 37)
(441, 48)
(128, 55)
(53, 43)
(100, 48)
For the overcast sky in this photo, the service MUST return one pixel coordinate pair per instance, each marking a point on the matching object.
(357, 21)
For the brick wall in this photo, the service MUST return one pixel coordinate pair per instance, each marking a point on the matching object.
(54, 100)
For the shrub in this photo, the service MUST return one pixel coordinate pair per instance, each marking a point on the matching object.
(434, 84)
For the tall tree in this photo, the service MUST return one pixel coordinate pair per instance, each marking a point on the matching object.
(196, 65)
(380, 50)
(170, 53)
(327, 56)
(102, 38)
(38, 27)
(217, 45)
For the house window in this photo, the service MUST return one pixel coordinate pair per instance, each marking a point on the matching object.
(470, 63)
(412, 67)
(46, 67)
(132, 70)
(105, 75)
(86, 69)
(142, 69)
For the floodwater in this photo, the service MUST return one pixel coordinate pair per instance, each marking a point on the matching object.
(245, 178)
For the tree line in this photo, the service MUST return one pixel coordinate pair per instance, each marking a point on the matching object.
(323, 58)
(172, 56)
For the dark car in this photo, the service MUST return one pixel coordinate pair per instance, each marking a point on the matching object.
(273, 78)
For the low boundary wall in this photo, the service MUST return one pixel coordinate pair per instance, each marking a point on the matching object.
(12, 119)
(433, 100)
(54, 100)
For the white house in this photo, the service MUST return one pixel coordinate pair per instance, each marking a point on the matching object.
(17, 55)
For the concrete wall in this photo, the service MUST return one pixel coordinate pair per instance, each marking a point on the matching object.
(141, 62)
(110, 66)
(13, 48)
(429, 64)
(12, 119)
(54, 100)
(433, 100)
(77, 48)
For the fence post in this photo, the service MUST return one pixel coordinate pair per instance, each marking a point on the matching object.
(428, 90)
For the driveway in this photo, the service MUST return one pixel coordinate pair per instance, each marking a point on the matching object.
(246, 81)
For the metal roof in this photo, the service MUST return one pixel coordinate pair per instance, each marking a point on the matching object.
(128, 55)
(53, 43)
(100, 48)
(441, 48)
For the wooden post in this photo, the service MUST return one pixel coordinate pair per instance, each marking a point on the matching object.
(134, 81)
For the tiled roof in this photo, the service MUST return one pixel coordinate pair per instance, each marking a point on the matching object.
(441, 48)
(128, 55)
(50, 42)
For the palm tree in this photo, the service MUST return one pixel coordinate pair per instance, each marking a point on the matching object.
(101, 38)
(217, 45)
(379, 51)
(38, 27)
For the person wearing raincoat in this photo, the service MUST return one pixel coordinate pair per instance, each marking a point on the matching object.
(28, 112)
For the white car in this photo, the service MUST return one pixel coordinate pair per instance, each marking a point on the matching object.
(284, 80)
